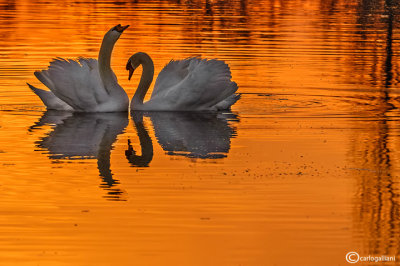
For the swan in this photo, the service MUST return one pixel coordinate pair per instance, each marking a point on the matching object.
(85, 84)
(192, 84)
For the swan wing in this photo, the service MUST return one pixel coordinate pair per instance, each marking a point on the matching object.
(76, 82)
(206, 83)
(172, 74)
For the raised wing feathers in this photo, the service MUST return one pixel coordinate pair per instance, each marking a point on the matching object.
(173, 73)
(76, 82)
(206, 83)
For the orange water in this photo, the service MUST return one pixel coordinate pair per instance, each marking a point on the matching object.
(303, 171)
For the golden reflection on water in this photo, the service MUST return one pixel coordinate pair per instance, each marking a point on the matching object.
(376, 207)
(302, 172)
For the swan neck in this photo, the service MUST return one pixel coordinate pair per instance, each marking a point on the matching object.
(145, 143)
(145, 80)
(106, 73)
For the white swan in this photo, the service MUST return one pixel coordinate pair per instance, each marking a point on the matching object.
(192, 84)
(85, 84)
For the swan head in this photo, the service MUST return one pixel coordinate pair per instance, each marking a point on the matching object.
(116, 31)
(120, 28)
(138, 59)
(133, 63)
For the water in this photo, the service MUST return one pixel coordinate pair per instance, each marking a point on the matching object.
(301, 172)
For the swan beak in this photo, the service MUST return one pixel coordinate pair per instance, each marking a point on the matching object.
(130, 68)
(120, 28)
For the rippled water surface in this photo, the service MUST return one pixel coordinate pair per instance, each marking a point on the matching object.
(302, 171)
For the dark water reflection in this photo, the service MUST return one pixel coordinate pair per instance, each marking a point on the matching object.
(145, 142)
(188, 134)
(78, 136)
(194, 135)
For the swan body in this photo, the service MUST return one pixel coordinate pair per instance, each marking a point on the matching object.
(85, 84)
(192, 84)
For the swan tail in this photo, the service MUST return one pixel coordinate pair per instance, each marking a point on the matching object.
(227, 103)
(50, 100)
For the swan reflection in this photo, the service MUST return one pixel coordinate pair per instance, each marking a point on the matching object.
(189, 134)
(84, 136)
(145, 143)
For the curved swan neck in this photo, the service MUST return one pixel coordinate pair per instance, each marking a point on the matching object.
(106, 73)
(146, 79)
(145, 144)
